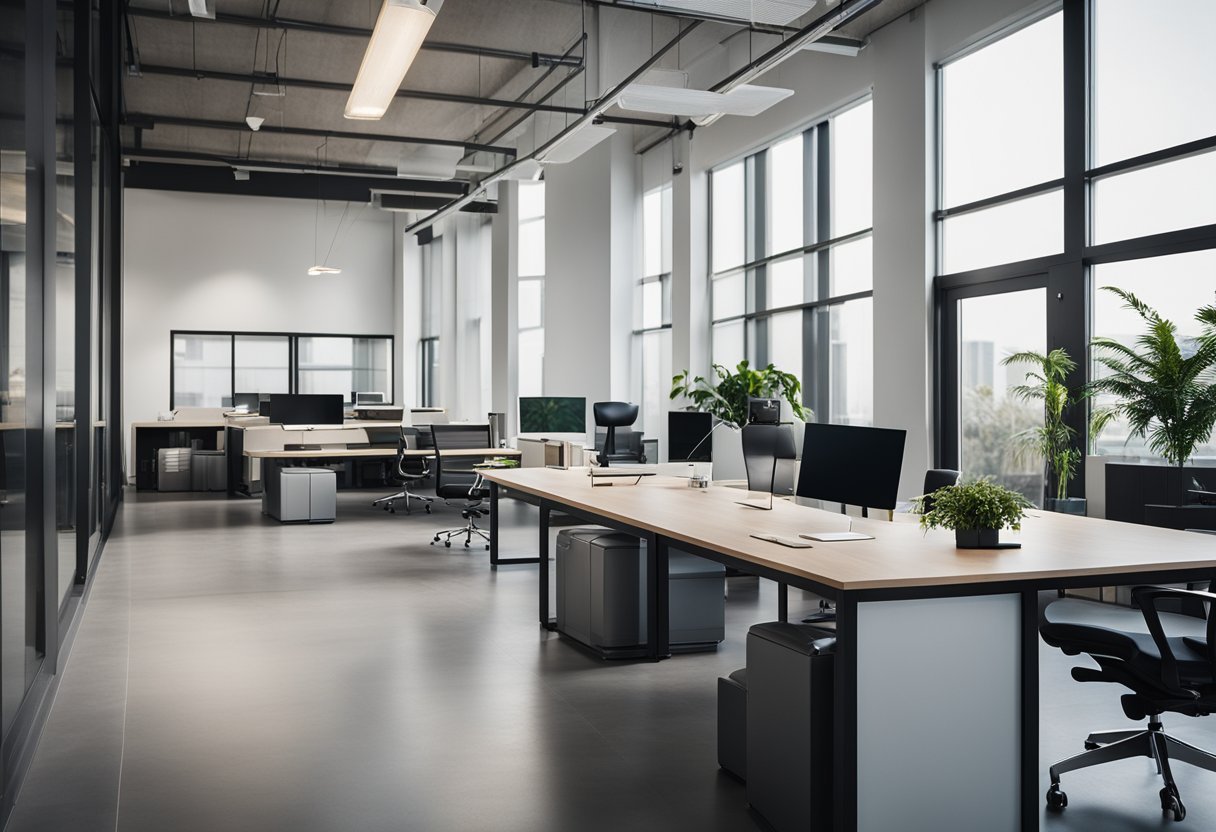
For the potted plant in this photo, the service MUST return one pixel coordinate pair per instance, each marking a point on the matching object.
(1054, 441)
(976, 510)
(1167, 397)
(726, 397)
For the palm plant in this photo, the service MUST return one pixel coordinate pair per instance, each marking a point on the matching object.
(1054, 440)
(1167, 397)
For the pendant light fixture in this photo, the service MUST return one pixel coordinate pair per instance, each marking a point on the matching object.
(322, 267)
(400, 29)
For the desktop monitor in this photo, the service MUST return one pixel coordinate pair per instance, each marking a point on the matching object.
(857, 466)
(763, 411)
(306, 409)
(264, 407)
(688, 436)
(552, 414)
(247, 402)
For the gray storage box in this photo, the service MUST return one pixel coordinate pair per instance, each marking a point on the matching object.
(173, 469)
(209, 471)
(601, 585)
(302, 495)
(789, 725)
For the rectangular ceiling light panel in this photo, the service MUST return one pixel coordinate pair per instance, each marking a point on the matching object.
(430, 162)
(400, 30)
(744, 100)
(576, 144)
(771, 12)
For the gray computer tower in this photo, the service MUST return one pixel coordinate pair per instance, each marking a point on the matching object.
(601, 586)
(790, 695)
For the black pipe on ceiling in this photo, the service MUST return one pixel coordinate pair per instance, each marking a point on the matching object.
(534, 58)
(150, 120)
(271, 79)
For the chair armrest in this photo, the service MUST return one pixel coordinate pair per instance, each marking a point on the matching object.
(1146, 597)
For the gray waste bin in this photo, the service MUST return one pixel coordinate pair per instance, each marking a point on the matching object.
(789, 725)
(303, 495)
(601, 586)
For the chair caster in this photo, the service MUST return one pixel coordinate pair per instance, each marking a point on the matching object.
(487, 547)
(392, 511)
(428, 508)
(1091, 746)
(1057, 800)
(466, 544)
(447, 543)
(1172, 803)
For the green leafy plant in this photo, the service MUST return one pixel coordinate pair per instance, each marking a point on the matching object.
(1167, 396)
(976, 504)
(726, 397)
(1054, 440)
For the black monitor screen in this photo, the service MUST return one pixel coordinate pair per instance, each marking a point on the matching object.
(552, 414)
(306, 409)
(248, 401)
(856, 466)
(764, 411)
(687, 436)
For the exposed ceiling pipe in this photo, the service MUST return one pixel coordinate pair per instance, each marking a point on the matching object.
(592, 115)
(315, 27)
(271, 78)
(148, 120)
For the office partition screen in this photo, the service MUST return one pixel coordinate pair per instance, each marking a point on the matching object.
(208, 368)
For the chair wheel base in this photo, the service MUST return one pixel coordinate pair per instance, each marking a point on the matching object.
(1057, 800)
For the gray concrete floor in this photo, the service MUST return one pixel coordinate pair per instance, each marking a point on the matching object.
(232, 673)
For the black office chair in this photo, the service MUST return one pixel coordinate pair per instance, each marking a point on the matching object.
(408, 470)
(629, 448)
(612, 415)
(457, 480)
(763, 446)
(1166, 660)
(937, 479)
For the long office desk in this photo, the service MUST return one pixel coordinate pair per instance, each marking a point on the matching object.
(936, 669)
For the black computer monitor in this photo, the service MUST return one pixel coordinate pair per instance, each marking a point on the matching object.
(552, 414)
(763, 411)
(264, 407)
(687, 436)
(857, 466)
(306, 409)
(246, 401)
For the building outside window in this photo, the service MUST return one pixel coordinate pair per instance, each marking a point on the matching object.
(431, 321)
(792, 264)
(652, 369)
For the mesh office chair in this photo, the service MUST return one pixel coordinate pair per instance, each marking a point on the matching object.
(1167, 661)
(409, 470)
(457, 480)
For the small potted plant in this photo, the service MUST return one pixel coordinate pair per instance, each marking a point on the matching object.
(976, 510)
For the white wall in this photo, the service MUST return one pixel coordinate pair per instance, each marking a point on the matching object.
(212, 262)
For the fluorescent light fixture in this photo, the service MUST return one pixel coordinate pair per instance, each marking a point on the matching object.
(425, 161)
(321, 271)
(835, 46)
(202, 8)
(400, 29)
(575, 144)
(744, 100)
(772, 12)
(254, 122)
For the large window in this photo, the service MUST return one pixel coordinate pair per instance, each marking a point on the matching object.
(207, 368)
(1114, 191)
(652, 315)
(792, 264)
(531, 288)
(431, 323)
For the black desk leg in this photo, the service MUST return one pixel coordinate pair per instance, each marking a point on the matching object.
(658, 621)
(493, 524)
(783, 602)
(495, 560)
(543, 559)
(844, 729)
(1030, 712)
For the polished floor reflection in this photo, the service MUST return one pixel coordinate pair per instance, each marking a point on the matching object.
(234, 673)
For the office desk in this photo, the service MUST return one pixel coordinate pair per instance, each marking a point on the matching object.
(936, 671)
(149, 437)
